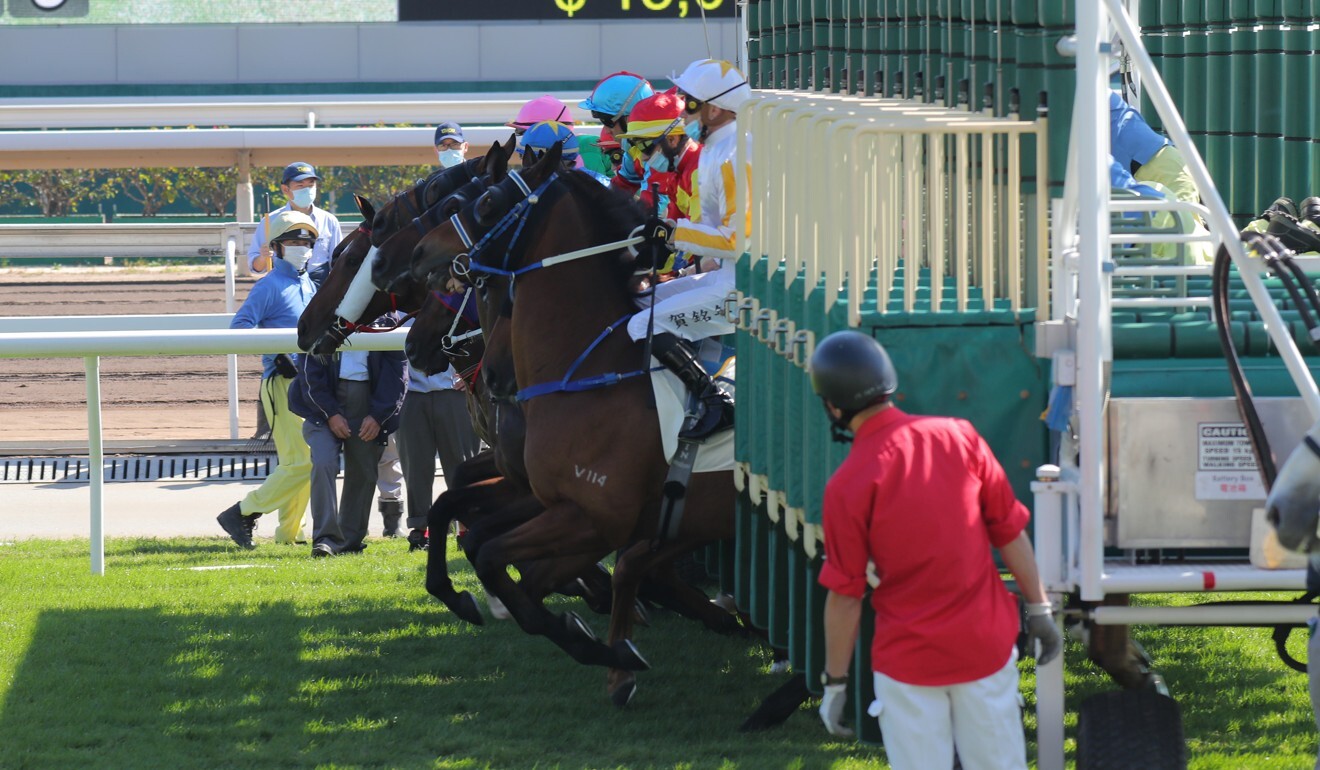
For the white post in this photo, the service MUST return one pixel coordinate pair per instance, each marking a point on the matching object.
(1091, 129)
(1047, 515)
(244, 208)
(95, 462)
(231, 246)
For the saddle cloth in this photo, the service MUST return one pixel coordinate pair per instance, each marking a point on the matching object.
(716, 452)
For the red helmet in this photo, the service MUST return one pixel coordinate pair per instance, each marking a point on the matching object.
(655, 115)
(607, 140)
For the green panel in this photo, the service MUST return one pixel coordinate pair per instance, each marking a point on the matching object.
(1299, 124)
(1241, 193)
(1201, 378)
(778, 621)
(1218, 105)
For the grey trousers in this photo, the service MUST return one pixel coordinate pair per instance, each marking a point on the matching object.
(432, 423)
(343, 526)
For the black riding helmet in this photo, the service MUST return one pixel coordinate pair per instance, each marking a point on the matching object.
(851, 371)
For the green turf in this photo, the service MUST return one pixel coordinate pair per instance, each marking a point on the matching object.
(346, 662)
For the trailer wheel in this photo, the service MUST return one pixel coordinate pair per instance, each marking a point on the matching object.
(1130, 730)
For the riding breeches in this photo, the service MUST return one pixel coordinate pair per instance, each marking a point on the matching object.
(288, 487)
(691, 307)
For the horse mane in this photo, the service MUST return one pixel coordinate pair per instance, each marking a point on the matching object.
(610, 214)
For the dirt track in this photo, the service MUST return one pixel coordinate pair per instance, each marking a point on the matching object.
(169, 397)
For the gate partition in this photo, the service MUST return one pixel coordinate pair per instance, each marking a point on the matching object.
(915, 222)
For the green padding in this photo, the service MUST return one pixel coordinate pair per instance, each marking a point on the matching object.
(1201, 339)
(1200, 378)
(1121, 317)
(985, 374)
(1143, 340)
(1155, 316)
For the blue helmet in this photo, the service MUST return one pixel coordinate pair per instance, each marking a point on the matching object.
(546, 134)
(616, 94)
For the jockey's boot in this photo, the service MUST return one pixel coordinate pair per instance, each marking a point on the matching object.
(714, 405)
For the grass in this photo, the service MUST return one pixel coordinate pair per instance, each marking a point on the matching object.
(345, 662)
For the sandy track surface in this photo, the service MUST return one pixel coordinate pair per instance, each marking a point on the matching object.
(158, 398)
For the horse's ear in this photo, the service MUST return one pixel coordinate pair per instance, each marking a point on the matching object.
(364, 206)
(551, 160)
(497, 166)
(513, 145)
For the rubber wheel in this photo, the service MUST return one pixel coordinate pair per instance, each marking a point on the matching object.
(1130, 730)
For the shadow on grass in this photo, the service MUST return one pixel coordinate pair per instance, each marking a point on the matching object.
(388, 684)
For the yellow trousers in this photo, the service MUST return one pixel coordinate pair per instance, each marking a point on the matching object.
(289, 487)
(1168, 168)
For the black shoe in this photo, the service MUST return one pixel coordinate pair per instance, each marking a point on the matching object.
(237, 526)
(321, 550)
(417, 540)
(1310, 210)
(1281, 205)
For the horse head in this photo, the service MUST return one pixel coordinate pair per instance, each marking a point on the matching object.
(436, 253)
(320, 327)
(442, 197)
(445, 332)
(1293, 506)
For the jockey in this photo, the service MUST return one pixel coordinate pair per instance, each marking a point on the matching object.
(610, 102)
(540, 109)
(692, 307)
(542, 136)
(655, 126)
(611, 149)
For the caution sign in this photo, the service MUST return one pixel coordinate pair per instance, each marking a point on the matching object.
(1225, 463)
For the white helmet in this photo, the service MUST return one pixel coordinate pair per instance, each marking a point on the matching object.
(715, 81)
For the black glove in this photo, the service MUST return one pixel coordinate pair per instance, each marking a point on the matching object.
(285, 367)
(657, 230)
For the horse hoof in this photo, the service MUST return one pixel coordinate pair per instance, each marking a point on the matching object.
(466, 607)
(640, 616)
(629, 659)
(576, 626)
(623, 694)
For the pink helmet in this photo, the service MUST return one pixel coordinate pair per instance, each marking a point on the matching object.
(539, 110)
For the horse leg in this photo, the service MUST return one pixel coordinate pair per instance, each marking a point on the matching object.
(479, 467)
(564, 533)
(664, 587)
(463, 503)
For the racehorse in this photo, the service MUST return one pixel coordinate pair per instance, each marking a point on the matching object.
(321, 328)
(1293, 505)
(594, 459)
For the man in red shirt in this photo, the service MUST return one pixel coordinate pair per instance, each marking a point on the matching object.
(925, 500)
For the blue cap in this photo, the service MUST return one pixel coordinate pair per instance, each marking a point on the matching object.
(295, 172)
(448, 130)
(542, 136)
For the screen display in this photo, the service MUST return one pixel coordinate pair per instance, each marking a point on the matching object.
(468, 10)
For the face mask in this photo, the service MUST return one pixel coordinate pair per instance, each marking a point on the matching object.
(297, 256)
(450, 158)
(693, 130)
(659, 162)
(304, 196)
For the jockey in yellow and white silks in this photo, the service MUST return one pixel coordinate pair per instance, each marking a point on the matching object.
(691, 307)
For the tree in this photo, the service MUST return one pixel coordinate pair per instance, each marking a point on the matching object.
(375, 183)
(56, 192)
(153, 188)
(211, 190)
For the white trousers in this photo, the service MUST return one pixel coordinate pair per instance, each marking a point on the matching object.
(691, 307)
(983, 719)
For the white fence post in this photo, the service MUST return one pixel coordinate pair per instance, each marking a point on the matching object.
(95, 463)
(231, 247)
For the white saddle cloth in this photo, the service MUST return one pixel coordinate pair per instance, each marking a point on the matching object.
(716, 452)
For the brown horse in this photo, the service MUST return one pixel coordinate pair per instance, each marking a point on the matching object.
(593, 458)
(321, 329)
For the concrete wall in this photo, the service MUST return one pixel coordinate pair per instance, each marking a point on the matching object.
(529, 52)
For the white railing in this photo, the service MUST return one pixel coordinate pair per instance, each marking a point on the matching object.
(91, 346)
(465, 109)
(894, 182)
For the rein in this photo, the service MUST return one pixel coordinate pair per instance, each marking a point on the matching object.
(570, 385)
